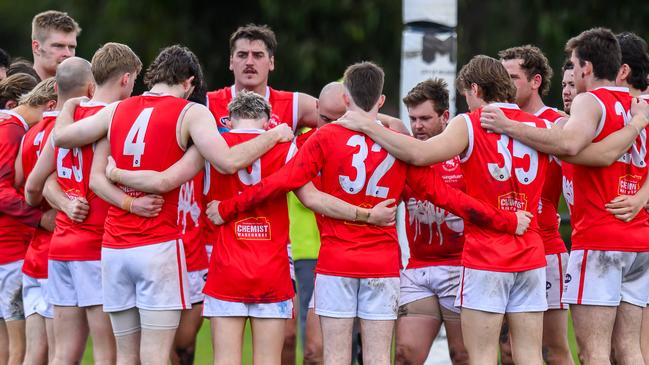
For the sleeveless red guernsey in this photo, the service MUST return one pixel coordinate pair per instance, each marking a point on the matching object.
(250, 250)
(143, 137)
(547, 217)
(73, 241)
(33, 143)
(355, 169)
(284, 106)
(191, 223)
(14, 235)
(508, 175)
(435, 236)
(594, 227)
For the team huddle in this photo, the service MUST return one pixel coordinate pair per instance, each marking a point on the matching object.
(130, 218)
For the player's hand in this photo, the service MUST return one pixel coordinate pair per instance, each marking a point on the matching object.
(493, 119)
(48, 220)
(77, 209)
(110, 168)
(147, 206)
(625, 207)
(383, 214)
(355, 120)
(73, 103)
(284, 132)
(524, 218)
(639, 106)
(212, 212)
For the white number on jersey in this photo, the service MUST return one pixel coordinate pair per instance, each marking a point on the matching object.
(252, 177)
(637, 154)
(358, 162)
(37, 142)
(134, 143)
(520, 150)
(67, 172)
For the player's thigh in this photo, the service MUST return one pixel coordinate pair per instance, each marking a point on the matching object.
(453, 326)
(190, 323)
(376, 339)
(626, 330)
(70, 331)
(593, 327)
(526, 330)
(227, 339)
(336, 339)
(555, 328)
(312, 338)
(417, 326)
(158, 331)
(267, 339)
(644, 335)
(480, 331)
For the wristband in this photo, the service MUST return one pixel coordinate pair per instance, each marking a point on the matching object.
(127, 203)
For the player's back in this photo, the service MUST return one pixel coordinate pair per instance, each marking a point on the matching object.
(143, 137)
(71, 240)
(360, 172)
(508, 175)
(250, 250)
(284, 106)
(594, 226)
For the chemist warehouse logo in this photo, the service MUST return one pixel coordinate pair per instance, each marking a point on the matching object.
(254, 228)
(512, 201)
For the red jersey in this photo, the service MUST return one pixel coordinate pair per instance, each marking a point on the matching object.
(36, 256)
(508, 175)
(355, 169)
(435, 236)
(547, 217)
(594, 227)
(284, 106)
(250, 250)
(14, 233)
(134, 146)
(73, 241)
(190, 206)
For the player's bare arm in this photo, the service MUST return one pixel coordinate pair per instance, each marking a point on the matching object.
(382, 214)
(158, 182)
(446, 145)
(307, 111)
(45, 165)
(393, 123)
(144, 206)
(199, 125)
(69, 134)
(76, 209)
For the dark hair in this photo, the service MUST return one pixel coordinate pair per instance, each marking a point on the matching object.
(491, 77)
(5, 60)
(253, 32)
(172, 66)
(599, 47)
(22, 66)
(533, 63)
(435, 90)
(364, 82)
(634, 54)
(567, 65)
(14, 86)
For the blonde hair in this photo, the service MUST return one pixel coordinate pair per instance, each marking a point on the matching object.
(14, 86)
(50, 20)
(249, 105)
(41, 94)
(114, 59)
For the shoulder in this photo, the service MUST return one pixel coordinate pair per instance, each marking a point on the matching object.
(281, 95)
(223, 94)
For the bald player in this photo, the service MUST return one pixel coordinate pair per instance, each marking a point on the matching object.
(54, 38)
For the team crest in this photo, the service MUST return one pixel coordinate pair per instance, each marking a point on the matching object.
(450, 165)
(274, 121)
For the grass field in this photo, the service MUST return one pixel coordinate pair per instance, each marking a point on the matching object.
(204, 348)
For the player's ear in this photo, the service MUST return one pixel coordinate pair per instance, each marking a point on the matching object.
(445, 117)
(10, 104)
(230, 66)
(537, 80)
(51, 105)
(36, 47)
(271, 65)
(91, 89)
(380, 101)
(623, 73)
(346, 100)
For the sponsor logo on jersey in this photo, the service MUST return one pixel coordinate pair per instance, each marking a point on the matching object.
(568, 278)
(253, 228)
(548, 285)
(512, 201)
(628, 184)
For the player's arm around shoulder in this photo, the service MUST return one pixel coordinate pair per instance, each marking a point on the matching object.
(198, 124)
(85, 131)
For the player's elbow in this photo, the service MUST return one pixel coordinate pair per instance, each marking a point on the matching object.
(227, 167)
(61, 140)
(95, 182)
(32, 194)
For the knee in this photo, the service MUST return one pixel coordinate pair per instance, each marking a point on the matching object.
(312, 354)
(459, 355)
(404, 354)
(289, 340)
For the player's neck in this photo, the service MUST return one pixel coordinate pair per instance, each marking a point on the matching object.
(30, 115)
(164, 89)
(106, 94)
(259, 89)
(247, 124)
(533, 104)
(595, 83)
(633, 91)
(42, 72)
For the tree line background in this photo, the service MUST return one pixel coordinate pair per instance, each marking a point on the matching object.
(319, 38)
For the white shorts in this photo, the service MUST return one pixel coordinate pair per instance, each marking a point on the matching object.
(208, 249)
(35, 297)
(152, 277)
(213, 307)
(291, 265)
(555, 274)
(442, 282)
(503, 292)
(343, 297)
(312, 301)
(197, 281)
(11, 301)
(74, 283)
(607, 278)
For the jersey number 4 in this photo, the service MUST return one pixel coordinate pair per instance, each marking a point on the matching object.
(134, 143)
(358, 163)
